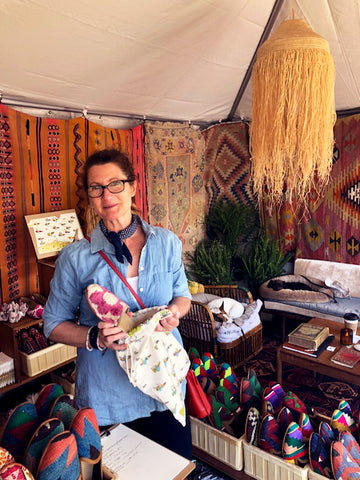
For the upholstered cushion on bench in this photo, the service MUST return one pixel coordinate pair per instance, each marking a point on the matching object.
(347, 275)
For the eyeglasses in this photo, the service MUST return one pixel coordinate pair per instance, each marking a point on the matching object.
(116, 186)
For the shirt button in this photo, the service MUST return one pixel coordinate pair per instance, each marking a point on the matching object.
(141, 289)
(141, 268)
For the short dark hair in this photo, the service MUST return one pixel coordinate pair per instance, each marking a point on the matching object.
(103, 157)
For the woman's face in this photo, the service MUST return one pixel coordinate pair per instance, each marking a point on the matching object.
(111, 206)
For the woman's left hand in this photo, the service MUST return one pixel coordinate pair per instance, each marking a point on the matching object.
(170, 322)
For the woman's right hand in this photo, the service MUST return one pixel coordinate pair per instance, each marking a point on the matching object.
(111, 336)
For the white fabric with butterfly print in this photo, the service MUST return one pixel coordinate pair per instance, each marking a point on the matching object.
(155, 362)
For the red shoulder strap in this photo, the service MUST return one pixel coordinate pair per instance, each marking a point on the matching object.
(109, 262)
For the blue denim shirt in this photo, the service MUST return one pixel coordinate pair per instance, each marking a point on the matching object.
(100, 382)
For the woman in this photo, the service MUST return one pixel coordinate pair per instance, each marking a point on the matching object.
(150, 259)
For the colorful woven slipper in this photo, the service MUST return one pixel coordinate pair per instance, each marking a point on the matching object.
(193, 353)
(219, 413)
(294, 404)
(209, 364)
(43, 434)
(64, 408)
(60, 459)
(207, 385)
(15, 471)
(267, 407)
(248, 396)
(21, 423)
(46, 399)
(351, 445)
(344, 467)
(341, 422)
(255, 383)
(252, 426)
(305, 426)
(230, 401)
(319, 456)
(86, 431)
(198, 368)
(270, 436)
(327, 434)
(294, 449)
(284, 418)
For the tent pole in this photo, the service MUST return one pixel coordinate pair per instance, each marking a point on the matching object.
(348, 112)
(270, 23)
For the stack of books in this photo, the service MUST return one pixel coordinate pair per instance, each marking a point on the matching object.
(309, 339)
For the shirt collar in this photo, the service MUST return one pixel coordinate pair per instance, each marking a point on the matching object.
(100, 242)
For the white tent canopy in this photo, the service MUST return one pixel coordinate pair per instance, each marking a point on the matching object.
(168, 59)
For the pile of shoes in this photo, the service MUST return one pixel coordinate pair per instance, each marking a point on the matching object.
(51, 438)
(31, 339)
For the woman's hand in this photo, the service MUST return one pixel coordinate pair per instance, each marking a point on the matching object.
(169, 322)
(110, 335)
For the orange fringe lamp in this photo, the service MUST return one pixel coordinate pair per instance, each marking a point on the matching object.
(293, 113)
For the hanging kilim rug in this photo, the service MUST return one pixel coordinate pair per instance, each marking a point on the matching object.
(174, 155)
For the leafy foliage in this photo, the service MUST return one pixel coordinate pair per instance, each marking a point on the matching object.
(210, 263)
(262, 260)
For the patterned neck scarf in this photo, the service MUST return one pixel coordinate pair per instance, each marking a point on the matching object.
(121, 250)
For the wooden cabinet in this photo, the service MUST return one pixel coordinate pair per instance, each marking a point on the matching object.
(9, 345)
(46, 269)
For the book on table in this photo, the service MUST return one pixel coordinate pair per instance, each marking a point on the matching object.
(346, 356)
(308, 335)
(305, 351)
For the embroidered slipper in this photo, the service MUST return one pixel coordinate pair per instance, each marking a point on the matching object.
(38, 298)
(319, 456)
(252, 425)
(294, 404)
(326, 433)
(207, 385)
(305, 426)
(193, 353)
(267, 408)
(341, 421)
(19, 427)
(247, 395)
(225, 397)
(345, 407)
(46, 399)
(209, 364)
(64, 408)
(13, 471)
(344, 467)
(60, 459)
(108, 307)
(43, 434)
(198, 368)
(5, 457)
(294, 449)
(219, 413)
(255, 383)
(273, 393)
(284, 418)
(86, 431)
(227, 373)
(232, 387)
(351, 445)
(270, 435)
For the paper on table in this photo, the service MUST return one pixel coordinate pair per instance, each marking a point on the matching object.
(134, 456)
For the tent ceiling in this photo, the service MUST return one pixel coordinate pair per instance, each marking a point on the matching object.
(168, 59)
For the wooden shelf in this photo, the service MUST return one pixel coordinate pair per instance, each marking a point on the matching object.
(9, 345)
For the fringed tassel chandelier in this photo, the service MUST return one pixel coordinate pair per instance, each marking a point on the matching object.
(293, 113)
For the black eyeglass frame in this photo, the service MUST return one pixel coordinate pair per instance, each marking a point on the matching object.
(108, 186)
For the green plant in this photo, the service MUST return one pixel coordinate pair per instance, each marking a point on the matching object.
(210, 263)
(231, 224)
(262, 260)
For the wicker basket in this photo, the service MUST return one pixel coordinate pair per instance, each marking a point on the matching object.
(197, 329)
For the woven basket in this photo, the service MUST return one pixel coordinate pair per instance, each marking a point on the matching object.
(197, 329)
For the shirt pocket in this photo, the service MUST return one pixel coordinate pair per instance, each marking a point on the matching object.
(161, 288)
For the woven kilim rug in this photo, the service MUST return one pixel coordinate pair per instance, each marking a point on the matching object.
(41, 161)
(175, 168)
(228, 163)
